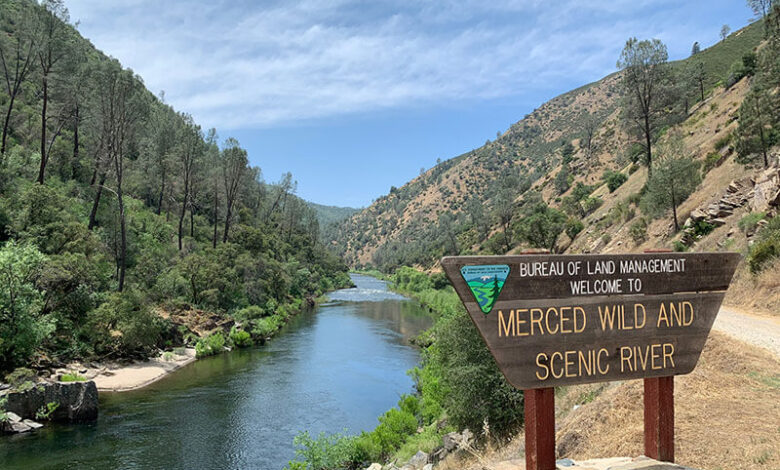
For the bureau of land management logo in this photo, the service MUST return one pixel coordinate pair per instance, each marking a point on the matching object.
(485, 282)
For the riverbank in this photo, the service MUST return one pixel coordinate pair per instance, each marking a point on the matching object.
(114, 377)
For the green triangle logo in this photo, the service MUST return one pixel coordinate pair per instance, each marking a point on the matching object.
(485, 282)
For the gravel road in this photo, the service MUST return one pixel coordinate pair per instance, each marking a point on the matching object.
(763, 332)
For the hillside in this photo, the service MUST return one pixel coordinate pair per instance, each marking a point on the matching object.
(125, 228)
(327, 215)
(451, 208)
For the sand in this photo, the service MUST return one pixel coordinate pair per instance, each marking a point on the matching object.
(115, 377)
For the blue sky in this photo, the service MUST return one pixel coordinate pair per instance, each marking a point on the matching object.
(354, 97)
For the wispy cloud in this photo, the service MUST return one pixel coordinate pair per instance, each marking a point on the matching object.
(241, 64)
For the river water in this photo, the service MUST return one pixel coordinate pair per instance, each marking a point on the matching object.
(334, 369)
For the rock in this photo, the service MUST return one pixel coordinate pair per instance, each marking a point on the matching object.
(428, 466)
(32, 424)
(374, 466)
(766, 190)
(564, 463)
(717, 222)
(418, 460)
(78, 401)
(450, 441)
(408, 467)
(13, 417)
(698, 215)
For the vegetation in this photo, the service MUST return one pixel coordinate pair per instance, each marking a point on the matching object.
(458, 383)
(72, 377)
(113, 207)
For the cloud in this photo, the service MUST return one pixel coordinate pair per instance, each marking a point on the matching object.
(241, 64)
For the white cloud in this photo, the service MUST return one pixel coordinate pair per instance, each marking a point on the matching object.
(239, 64)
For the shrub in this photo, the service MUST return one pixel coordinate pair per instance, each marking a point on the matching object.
(591, 203)
(266, 327)
(573, 227)
(638, 231)
(679, 246)
(702, 228)
(47, 410)
(749, 223)
(124, 325)
(210, 345)
(253, 312)
(767, 247)
(72, 377)
(614, 179)
(240, 338)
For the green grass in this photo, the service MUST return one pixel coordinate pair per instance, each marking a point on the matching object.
(74, 377)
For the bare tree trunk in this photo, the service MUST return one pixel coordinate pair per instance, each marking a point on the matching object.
(42, 171)
(227, 221)
(6, 123)
(123, 230)
(76, 165)
(162, 192)
(216, 216)
(648, 152)
(96, 202)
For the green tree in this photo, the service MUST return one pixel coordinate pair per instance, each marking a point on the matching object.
(760, 7)
(22, 325)
(757, 127)
(724, 32)
(504, 208)
(645, 85)
(542, 226)
(676, 176)
(696, 48)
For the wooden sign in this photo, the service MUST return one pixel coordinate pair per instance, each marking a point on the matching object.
(553, 320)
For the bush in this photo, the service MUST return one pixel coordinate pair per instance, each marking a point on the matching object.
(574, 227)
(210, 345)
(411, 280)
(766, 248)
(240, 338)
(247, 314)
(702, 228)
(73, 377)
(614, 179)
(638, 231)
(749, 223)
(124, 325)
(266, 327)
(23, 326)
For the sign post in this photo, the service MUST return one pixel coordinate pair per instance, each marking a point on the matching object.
(552, 320)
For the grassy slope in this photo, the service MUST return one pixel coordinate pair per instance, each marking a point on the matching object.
(331, 214)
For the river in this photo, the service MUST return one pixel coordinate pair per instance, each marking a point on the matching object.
(336, 368)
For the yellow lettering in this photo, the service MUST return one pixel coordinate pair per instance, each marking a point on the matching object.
(625, 358)
(607, 315)
(598, 361)
(542, 366)
(547, 321)
(552, 359)
(662, 315)
(506, 328)
(567, 363)
(581, 311)
(637, 324)
(537, 321)
(668, 354)
(687, 308)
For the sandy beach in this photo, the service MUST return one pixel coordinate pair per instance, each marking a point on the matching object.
(115, 377)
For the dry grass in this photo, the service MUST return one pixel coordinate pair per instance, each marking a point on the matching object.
(758, 293)
(727, 416)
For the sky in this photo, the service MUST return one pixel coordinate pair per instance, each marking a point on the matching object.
(355, 97)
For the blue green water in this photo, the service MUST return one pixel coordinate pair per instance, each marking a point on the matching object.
(336, 368)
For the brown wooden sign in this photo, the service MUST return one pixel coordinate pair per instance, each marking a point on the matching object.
(553, 320)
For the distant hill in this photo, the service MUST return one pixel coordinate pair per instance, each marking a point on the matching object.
(327, 215)
(450, 209)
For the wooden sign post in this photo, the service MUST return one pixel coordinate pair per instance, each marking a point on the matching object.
(552, 320)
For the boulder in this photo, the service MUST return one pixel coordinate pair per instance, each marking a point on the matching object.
(450, 441)
(418, 460)
(428, 466)
(698, 215)
(374, 466)
(32, 424)
(78, 401)
(766, 190)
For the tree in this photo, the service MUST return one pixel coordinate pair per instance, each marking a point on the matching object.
(504, 208)
(17, 56)
(590, 126)
(756, 132)
(760, 7)
(189, 154)
(53, 47)
(448, 232)
(724, 32)
(476, 212)
(22, 325)
(122, 106)
(645, 75)
(542, 226)
(676, 176)
(562, 180)
(698, 75)
(696, 48)
(234, 163)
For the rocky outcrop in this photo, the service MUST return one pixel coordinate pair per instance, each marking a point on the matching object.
(77, 401)
(760, 194)
(14, 424)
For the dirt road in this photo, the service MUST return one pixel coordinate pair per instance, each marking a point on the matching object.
(759, 331)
